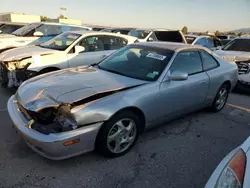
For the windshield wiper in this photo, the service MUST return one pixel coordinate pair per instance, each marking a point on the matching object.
(94, 64)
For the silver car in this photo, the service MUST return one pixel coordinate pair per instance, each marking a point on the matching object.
(106, 106)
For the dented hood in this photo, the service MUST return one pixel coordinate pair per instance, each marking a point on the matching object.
(24, 52)
(233, 55)
(70, 85)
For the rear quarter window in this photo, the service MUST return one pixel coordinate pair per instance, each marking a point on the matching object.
(169, 36)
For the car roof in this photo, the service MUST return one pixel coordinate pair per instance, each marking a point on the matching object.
(55, 23)
(194, 36)
(169, 45)
(243, 37)
(154, 29)
(87, 33)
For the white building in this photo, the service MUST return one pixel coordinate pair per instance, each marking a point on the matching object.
(66, 21)
(20, 18)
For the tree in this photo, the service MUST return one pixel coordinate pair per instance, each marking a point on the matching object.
(44, 18)
(240, 34)
(217, 33)
(62, 17)
(184, 30)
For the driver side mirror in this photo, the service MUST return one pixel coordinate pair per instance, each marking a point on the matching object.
(37, 34)
(218, 48)
(150, 39)
(178, 76)
(79, 49)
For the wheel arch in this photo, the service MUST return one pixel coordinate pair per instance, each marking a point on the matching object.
(228, 83)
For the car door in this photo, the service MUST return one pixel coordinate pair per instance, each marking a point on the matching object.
(97, 48)
(179, 97)
(210, 65)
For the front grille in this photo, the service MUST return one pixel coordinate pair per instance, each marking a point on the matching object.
(243, 67)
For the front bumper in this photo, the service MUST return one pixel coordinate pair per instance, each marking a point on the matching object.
(51, 146)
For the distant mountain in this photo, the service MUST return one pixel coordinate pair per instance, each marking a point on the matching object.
(242, 30)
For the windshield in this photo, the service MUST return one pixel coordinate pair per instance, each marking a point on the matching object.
(238, 45)
(189, 39)
(225, 41)
(26, 29)
(6, 29)
(61, 42)
(144, 63)
(140, 34)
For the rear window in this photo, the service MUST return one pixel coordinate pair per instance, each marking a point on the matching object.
(169, 36)
(189, 39)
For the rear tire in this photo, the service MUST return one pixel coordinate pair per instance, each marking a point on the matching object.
(221, 98)
(118, 135)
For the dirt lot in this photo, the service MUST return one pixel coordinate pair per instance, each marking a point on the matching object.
(182, 153)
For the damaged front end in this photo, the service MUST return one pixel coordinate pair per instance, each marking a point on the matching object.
(13, 73)
(53, 120)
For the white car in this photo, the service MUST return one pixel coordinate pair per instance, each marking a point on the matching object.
(69, 49)
(150, 35)
(238, 50)
(35, 33)
(234, 169)
(209, 42)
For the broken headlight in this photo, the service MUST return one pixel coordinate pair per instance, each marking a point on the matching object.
(13, 65)
(65, 118)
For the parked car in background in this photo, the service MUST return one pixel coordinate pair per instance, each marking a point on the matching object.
(7, 28)
(233, 170)
(69, 49)
(107, 105)
(97, 28)
(124, 31)
(238, 51)
(209, 42)
(225, 41)
(35, 33)
(226, 36)
(158, 35)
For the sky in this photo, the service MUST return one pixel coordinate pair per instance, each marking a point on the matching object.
(197, 15)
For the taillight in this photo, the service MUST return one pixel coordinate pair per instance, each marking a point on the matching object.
(232, 175)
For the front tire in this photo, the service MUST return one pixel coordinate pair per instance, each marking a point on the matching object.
(118, 135)
(221, 98)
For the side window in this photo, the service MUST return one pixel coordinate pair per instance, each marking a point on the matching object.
(153, 36)
(210, 43)
(9, 28)
(208, 61)
(202, 42)
(48, 30)
(114, 43)
(217, 43)
(92, 43)
(188, 62)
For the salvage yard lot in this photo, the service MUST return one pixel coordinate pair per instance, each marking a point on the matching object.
(182, 153)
